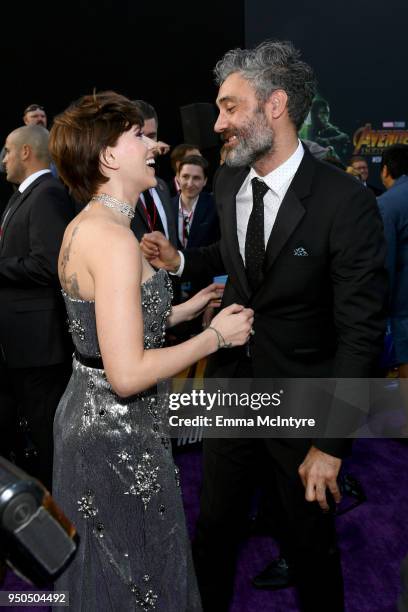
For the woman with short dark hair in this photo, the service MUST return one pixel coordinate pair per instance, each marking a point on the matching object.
(114, 474)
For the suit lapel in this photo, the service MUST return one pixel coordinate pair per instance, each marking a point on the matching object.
(290, 214)
(163, 193)
(140, 211)
(229, 229)
(22, 198)
(291, 210)
(199, 217)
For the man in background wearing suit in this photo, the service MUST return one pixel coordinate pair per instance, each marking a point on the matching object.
(194, 209)
(197, 224)
(393, 206)
(34, 344)
(34, 114)
(302, 245)
(178, 153)
(359, 165)
(153, 210)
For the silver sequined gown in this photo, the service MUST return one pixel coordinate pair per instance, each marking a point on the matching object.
(115, 479)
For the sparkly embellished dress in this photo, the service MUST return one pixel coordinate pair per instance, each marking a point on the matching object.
(115, 479)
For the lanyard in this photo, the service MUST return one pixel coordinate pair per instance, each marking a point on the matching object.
(186, 225)
(150, 222)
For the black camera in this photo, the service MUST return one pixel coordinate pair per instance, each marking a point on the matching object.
(36, 539)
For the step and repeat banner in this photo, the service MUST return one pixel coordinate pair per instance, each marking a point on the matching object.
(362, 102)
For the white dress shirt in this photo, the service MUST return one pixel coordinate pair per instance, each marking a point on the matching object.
(183, 214)
(30, 179)
(159, 207)
(278, 182)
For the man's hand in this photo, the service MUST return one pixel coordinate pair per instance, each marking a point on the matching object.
(318, 472)
(160, 252)
(161, 148)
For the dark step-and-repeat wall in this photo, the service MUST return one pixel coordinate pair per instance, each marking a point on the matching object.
(164, 52)
(358, 50)
(160, 51)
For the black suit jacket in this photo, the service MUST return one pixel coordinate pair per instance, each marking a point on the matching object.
(139, 223)
(320, 315)
(205, 228)
(33, 330)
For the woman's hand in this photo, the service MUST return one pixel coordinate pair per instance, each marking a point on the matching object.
(193, 307)
(210, 296)
(234, 323)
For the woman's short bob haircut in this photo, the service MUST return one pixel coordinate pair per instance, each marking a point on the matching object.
(82, 132)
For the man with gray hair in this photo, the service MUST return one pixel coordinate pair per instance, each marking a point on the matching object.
(35, 114)
(302, 245)
(34, 344)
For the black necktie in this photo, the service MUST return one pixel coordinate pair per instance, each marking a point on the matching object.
(255, 238)
(153, 217)
(8, 208)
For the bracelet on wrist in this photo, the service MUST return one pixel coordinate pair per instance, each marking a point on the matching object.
(220, 338)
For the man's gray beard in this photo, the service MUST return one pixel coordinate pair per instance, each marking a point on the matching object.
(256, 139)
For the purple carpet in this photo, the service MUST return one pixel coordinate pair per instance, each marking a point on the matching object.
(373, 537)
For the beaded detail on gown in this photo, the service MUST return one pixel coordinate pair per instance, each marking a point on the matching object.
(115, 479)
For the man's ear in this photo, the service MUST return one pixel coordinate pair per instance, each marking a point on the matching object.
(276, 104)
(205, 180)
(25, 152)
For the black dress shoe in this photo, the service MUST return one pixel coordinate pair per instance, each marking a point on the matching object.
(276, 575)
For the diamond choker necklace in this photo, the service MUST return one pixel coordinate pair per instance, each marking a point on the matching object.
(123, 207)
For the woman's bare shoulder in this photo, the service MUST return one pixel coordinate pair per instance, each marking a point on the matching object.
(98, 235)
(94, 248)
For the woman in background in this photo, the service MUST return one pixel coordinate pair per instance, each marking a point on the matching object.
(114, 474)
